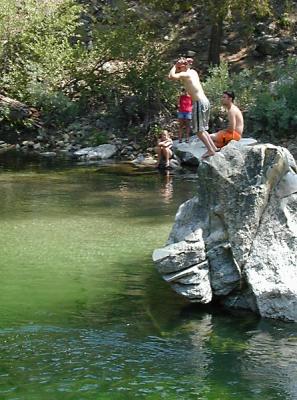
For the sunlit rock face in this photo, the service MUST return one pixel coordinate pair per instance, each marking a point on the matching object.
(191, 153)
(236, 240)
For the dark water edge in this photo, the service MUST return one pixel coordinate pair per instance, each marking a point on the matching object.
(14, 160)
(84, 314)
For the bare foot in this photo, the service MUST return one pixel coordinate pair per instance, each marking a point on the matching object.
(207, 154)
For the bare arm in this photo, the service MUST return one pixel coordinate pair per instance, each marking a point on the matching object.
(165, 143)
(177, 75)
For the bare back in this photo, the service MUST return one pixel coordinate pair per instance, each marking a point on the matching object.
(235, 119)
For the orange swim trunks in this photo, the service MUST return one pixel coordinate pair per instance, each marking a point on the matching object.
(224, 137)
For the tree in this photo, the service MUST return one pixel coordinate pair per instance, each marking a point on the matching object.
(218, 11)
(222, 10)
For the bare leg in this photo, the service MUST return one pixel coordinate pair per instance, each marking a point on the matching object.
(208, 142)
(180, 131)
(213, 136)
(159, 154)
(187, 131)
(167, 153)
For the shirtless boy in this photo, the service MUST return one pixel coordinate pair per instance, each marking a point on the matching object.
(235, 122)
(201, 107)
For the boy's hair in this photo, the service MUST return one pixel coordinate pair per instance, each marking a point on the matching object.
(165, 132)
(185, 61)
(230, 94)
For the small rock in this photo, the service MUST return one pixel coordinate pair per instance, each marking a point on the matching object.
(48, 154)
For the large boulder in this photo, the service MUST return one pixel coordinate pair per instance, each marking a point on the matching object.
(190, 153)
(102, 152)
(236, 240)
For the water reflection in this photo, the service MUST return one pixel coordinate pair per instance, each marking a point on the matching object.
(166, 189)
(243, 357)
(271, 357)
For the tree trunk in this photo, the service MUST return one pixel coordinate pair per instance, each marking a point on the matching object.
(216, 36)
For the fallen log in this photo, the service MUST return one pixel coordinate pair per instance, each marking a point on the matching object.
(16, 111)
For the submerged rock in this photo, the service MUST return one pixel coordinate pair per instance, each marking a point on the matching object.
(236, 240)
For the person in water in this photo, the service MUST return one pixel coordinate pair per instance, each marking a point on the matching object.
(183, 72)
(235, 122)
(184, 114)
(164, 149)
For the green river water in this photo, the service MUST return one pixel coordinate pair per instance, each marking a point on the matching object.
(84, 315)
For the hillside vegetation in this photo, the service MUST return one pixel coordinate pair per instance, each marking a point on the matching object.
(104, 64)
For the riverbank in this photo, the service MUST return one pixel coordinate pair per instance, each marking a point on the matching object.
(69, 147)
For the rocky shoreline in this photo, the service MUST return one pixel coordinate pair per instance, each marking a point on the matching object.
(72, 145)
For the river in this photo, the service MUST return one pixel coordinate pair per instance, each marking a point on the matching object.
(83, 313)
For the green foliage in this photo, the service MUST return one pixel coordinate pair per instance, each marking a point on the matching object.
(214, 8)
(284, 21)
(12, 120)
(170, 6)
(156, 130)
(47, 62)
(217, 81)
(4, 113)
(275, 109)
(286, 18)
(244, 84)
(37, 46)
(276, 115)
(56, 57)
(40, 52)
(56, 107)
(247, 9)
(98, 138)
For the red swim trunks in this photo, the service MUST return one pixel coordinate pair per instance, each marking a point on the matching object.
(224, 137)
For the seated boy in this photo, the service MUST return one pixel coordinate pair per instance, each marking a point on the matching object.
(235, 122)
(164, 149)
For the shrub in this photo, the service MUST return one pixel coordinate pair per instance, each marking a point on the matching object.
(217, 81)
(276, 114)
(56, 107)
(98, 138)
